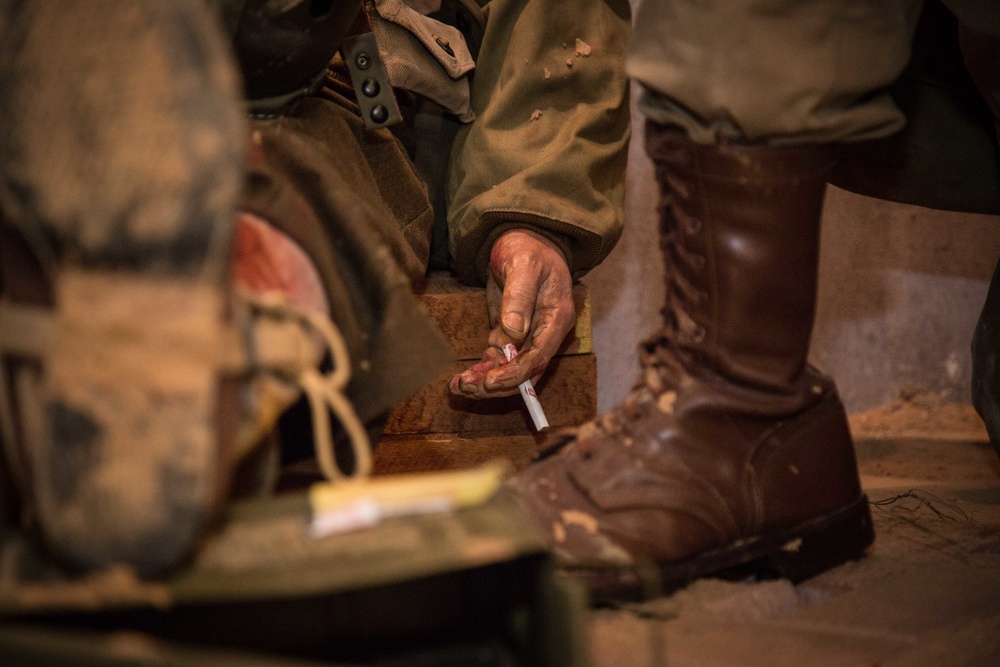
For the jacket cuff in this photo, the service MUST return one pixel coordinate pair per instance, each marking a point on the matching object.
(582, 249)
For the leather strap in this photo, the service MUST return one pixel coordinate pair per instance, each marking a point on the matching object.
(369, 77)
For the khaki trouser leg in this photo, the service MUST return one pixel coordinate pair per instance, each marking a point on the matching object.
(776, 72)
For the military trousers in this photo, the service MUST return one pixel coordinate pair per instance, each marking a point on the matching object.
(789, 71)
(785, 72)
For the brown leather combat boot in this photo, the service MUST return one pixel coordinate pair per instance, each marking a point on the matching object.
(121, 160)
(732, 455)
(155, 324)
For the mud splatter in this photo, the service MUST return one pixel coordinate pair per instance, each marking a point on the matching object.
(586, 431)
(582, 519)
(792, 546)
(666, 402)
(559, 532)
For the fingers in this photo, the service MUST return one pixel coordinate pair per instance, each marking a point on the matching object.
(554, 318)
(529, 298)
(471, 383)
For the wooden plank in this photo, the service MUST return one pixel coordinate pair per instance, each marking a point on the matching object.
(568, 393)
(397, 454)
(460, 313)
(424, 453)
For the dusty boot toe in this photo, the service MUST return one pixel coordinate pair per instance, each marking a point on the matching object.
(568, 519)
(120, 166)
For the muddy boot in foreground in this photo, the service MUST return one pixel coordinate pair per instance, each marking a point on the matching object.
(121, 160)
(732, 455)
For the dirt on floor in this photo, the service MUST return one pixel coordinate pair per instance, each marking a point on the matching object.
(916, 413)
(927, 593)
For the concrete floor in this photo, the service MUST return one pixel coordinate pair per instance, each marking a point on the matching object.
(928, 593)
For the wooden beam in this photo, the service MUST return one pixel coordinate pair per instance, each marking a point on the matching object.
(460, 313)
(450, 451)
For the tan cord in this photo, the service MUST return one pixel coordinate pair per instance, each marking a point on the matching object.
(325, 392)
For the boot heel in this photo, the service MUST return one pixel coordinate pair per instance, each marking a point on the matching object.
(820, 544)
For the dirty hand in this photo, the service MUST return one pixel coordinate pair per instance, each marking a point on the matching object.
(530, 302)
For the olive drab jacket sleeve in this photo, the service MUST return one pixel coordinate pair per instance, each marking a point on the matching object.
(548, 147)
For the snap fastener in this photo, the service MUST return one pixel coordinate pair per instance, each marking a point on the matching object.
(445, 46)
(370, 88)
(363, 61)
(379, 113)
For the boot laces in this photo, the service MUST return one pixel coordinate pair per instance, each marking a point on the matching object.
(661, 372)
(661, 356)
(324, 391)
(280, 335)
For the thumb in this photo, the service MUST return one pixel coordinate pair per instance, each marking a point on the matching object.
(517, 306)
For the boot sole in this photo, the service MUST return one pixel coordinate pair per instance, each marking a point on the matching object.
(123, 407)
(125, 449)
(796, 554)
